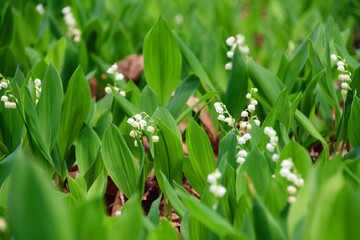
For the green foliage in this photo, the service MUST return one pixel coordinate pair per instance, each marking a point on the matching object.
(119, 161)
(66, 140)
(162, 60)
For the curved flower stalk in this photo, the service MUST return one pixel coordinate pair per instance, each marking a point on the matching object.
(242, 133)
(287, 169)
(289, 172)
(272, 146)
(235, 42)
(113, 70)
(8, 98)
(140, 122)
(121, 91)
(344, 76)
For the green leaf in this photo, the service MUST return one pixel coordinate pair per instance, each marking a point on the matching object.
(49, 106)
(35, 209)
(276, 197)
(201, 156)
(164, 231)
(75, 110)
(182, 94)
(308, 99)
(307, 124)
(269, 87)
(354, 120)
(171, 194)
(76, 192)
(34, 129)
(299, 155)
(296, 64)
(119, 162)
(129, 224)
(168, 154)
(208, 217)
(153, 214)
(235, 95)
(355, 85)
(204, 98)
(165, 116)
(268, 84)
(350, 60)
(227, 150)
(12, 122)
(92, 35)
(56, 54)
(127, 106)
(280, 111)
(195, 65)
(98, 188)
(265, 225)
(87, 147)
(6, 26)
(162, 60)
(257, 168)
(148, 101)
(102, 106)
(86, 217)
(331, 215)
(6, 165)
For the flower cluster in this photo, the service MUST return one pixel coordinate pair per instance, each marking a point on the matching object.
(114, 70)
(122, 92)
(221, 109)
(242, 135)
(344, 76)
(8, 99)
(71, 24)
(141, 122)
(37, 83)
(285, 171)
(215, 188)
(273, 144)
(233, 42)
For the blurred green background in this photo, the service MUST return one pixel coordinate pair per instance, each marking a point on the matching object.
(112, 30)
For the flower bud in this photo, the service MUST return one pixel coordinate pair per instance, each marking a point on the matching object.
(37, 82)
(4, 98)
(230, 41)
(240, 160)
(221, 117)
(230, 54)
(228, 66)
(244, 114)
(108, 90)
(251, 107)
(333, 57)
(291, 190)
(155, 138)
(291, 199)
(150, 129)
(119, 77)
(270, 147)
